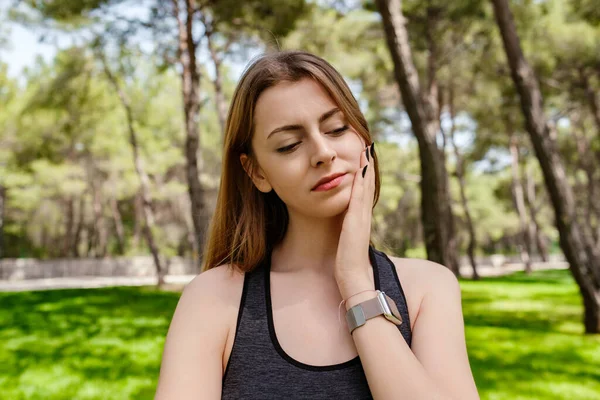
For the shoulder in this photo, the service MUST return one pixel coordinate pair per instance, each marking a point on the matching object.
(423, 278)
(214, 293)
(210, 300)
(208, 306)
(427, 274)
(198, 331)
(218, 283)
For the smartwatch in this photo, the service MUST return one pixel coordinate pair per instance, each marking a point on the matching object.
(381, 305)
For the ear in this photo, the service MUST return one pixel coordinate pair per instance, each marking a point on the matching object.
(258, 178)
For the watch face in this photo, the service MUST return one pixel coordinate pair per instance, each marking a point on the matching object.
(395, 314)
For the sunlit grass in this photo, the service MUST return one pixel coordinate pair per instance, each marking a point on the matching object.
(525, 338)
(83, 344)
(524, 335)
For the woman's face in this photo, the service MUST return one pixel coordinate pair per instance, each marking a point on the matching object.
(300, 137)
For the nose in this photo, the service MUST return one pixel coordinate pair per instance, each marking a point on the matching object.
(323, 150)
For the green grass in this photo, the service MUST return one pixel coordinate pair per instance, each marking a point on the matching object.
(82, 344)
(524, 336)
(526, 340)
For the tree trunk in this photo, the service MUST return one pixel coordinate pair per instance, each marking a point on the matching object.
(2, 214)
(588, 165)
(583, 262)
(433, 101)
(519, 202)
(190, 79)
(535, 226)
(592, 99)
(460, 175)
(91, 237)
(141, 173)
(138, 222)
(118, 221)
(69, 228)
(452, 244)
(100, 236)
(44, 238)
(79, 226)
(189, 226)
(221, 104)
(423, 113)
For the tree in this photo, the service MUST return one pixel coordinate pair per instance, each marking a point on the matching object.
(460, 175)
(7, 93)
(147, 212)
(584, 260)
(423, 110)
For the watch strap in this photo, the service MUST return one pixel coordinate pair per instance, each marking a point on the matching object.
(372, 307)
(382, 304)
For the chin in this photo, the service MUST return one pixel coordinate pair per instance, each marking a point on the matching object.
(329, 207)
(325, 207)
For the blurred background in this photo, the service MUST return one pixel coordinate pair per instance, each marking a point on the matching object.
(112, 116)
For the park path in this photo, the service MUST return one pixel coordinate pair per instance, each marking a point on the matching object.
(178, 281)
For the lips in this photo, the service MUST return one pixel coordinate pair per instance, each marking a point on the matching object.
(328, 179)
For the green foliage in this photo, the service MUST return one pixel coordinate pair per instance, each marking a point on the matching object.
(587, 10)
(64, 135)
(8, 93)
(490, 209)
(397, 212)
(65, 13)
(72, 109)
(277, 17)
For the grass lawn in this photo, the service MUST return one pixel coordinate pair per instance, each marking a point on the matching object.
(524, 336)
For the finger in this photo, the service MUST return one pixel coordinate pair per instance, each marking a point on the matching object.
(359, 182)
(371, 169)
(364, 158)
(369, 183)
(370, 188)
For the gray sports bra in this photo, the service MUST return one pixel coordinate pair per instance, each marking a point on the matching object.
(258, 368)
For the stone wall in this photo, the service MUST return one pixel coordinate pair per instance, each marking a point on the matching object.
(498, 260)
(28, 268)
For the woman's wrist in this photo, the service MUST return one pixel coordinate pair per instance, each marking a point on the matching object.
(359, 298)
(351, 288)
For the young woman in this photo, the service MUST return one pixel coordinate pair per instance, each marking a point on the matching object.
(289, 245)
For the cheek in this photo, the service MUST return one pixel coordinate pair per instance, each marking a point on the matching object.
(354, 150)
(288, 177)
(356, 143)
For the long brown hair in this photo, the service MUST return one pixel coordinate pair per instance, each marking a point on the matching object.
(248, 223)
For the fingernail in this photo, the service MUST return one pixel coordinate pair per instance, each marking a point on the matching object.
(367, 152)
(364, 170)
(373, 150)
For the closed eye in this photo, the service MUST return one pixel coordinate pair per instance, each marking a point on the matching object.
(335, 132)
(340, 130)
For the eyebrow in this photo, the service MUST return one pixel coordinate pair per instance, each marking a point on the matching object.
(322, 119)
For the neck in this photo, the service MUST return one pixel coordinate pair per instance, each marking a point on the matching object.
(309, 246)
